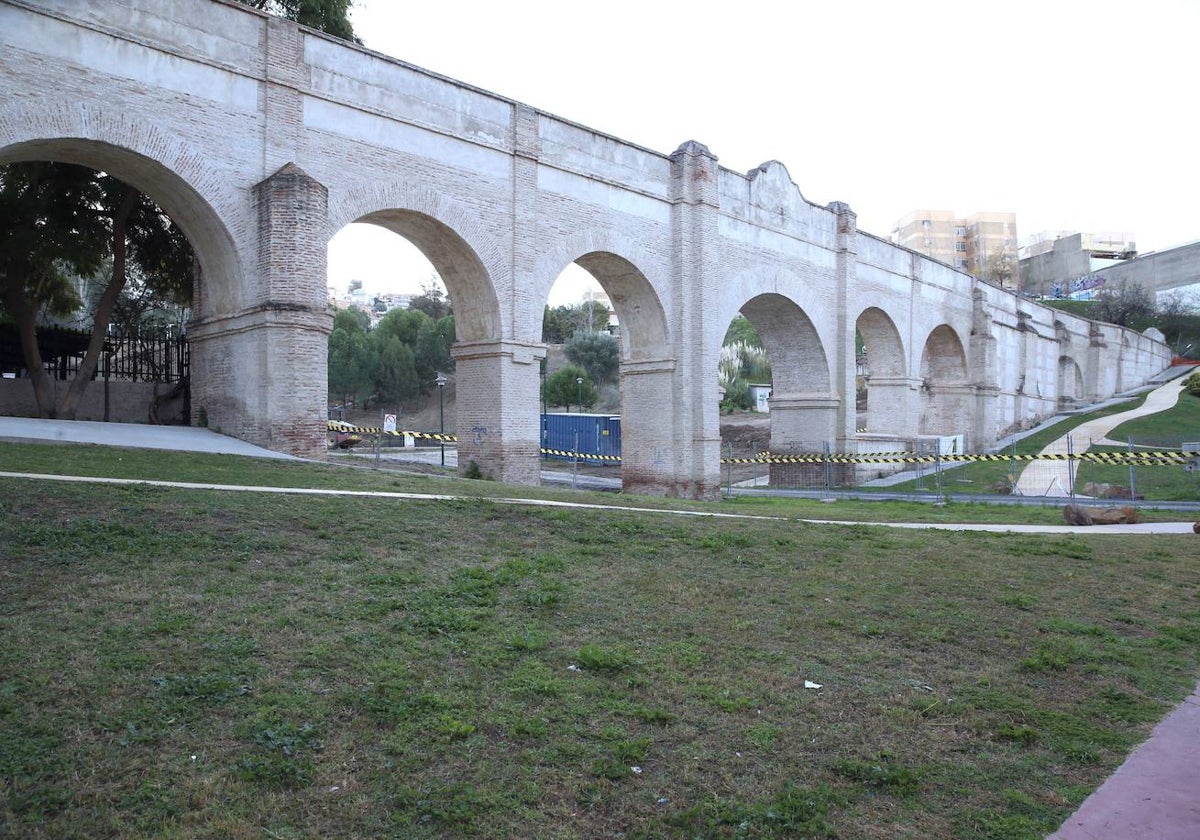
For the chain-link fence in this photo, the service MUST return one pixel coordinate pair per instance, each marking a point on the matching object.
(1136, 471)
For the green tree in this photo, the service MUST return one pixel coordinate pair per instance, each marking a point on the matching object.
(404, 324)
(351, 320)
(49, 231)
(559, 323)
(428, 339)
(352, 365)
(597, 353)
(741, 330)
(329, 16)
(563, 388)
(60, 218)
(396, 375)
(433, 349)
(432, 301)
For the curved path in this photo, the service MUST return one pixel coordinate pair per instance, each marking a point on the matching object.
(1054, 477)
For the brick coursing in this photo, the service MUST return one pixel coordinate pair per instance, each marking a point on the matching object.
(268, 139)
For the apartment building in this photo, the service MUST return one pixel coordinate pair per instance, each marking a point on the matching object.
(969, 243)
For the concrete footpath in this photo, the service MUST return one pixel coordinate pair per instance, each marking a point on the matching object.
(1154, 794)
(1055, 477)
(134, 435)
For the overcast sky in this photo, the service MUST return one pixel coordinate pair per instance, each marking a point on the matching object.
(1073, 114)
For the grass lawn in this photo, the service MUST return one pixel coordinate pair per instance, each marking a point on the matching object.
(188, 663)
(1165, 430)
(986, 476)
(155, 465)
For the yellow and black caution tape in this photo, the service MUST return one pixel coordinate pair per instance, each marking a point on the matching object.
(1111, 458)
(350, 428)
(583, 456)
(1147, 459)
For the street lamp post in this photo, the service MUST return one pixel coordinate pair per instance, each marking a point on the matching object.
(575, 467)
(441, 383)
(542, 421)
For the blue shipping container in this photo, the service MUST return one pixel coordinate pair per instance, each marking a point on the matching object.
(598, 434)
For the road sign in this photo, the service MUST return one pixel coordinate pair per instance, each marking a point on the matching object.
(389, 422)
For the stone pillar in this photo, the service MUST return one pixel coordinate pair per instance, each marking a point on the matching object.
(893, 404)
(844, 353)
(804, 422)
(1096, 378)
(984, 375)
(260, 374)
(647, 443)
(952, 409)
(497, 409)
(696, 420)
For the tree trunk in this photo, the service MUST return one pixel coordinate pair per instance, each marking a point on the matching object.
(24, 314)
(104, 309)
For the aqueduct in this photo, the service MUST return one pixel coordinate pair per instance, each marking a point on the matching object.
(263, 139)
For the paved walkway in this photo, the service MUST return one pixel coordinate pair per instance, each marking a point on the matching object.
(1154, 794)
(136, 435)
(1054, 478)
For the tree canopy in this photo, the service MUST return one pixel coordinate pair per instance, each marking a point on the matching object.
(563, 387)
(64, 220)
(396, 361)
(329, 16)
(597, 353)
(432, 301)
(559, 323)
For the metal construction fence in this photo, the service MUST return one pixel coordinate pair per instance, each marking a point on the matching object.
(1131, 472)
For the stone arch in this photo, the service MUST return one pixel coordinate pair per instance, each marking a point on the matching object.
(647, 369)
(884, 379)
(795, 294)
(885, 348)
(205, 205)
(645, 333)
(946, 396)
(799, 363)
(1070, 383)
(803, 404)
(468, 261)
(943, 359)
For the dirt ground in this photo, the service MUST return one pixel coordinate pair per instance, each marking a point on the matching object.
(420, 415)
(745, 430)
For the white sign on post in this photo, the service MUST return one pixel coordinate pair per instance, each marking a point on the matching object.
(389, 422)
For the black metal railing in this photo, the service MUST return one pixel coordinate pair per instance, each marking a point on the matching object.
(138, 356)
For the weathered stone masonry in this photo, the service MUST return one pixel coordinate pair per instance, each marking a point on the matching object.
(263, 139)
